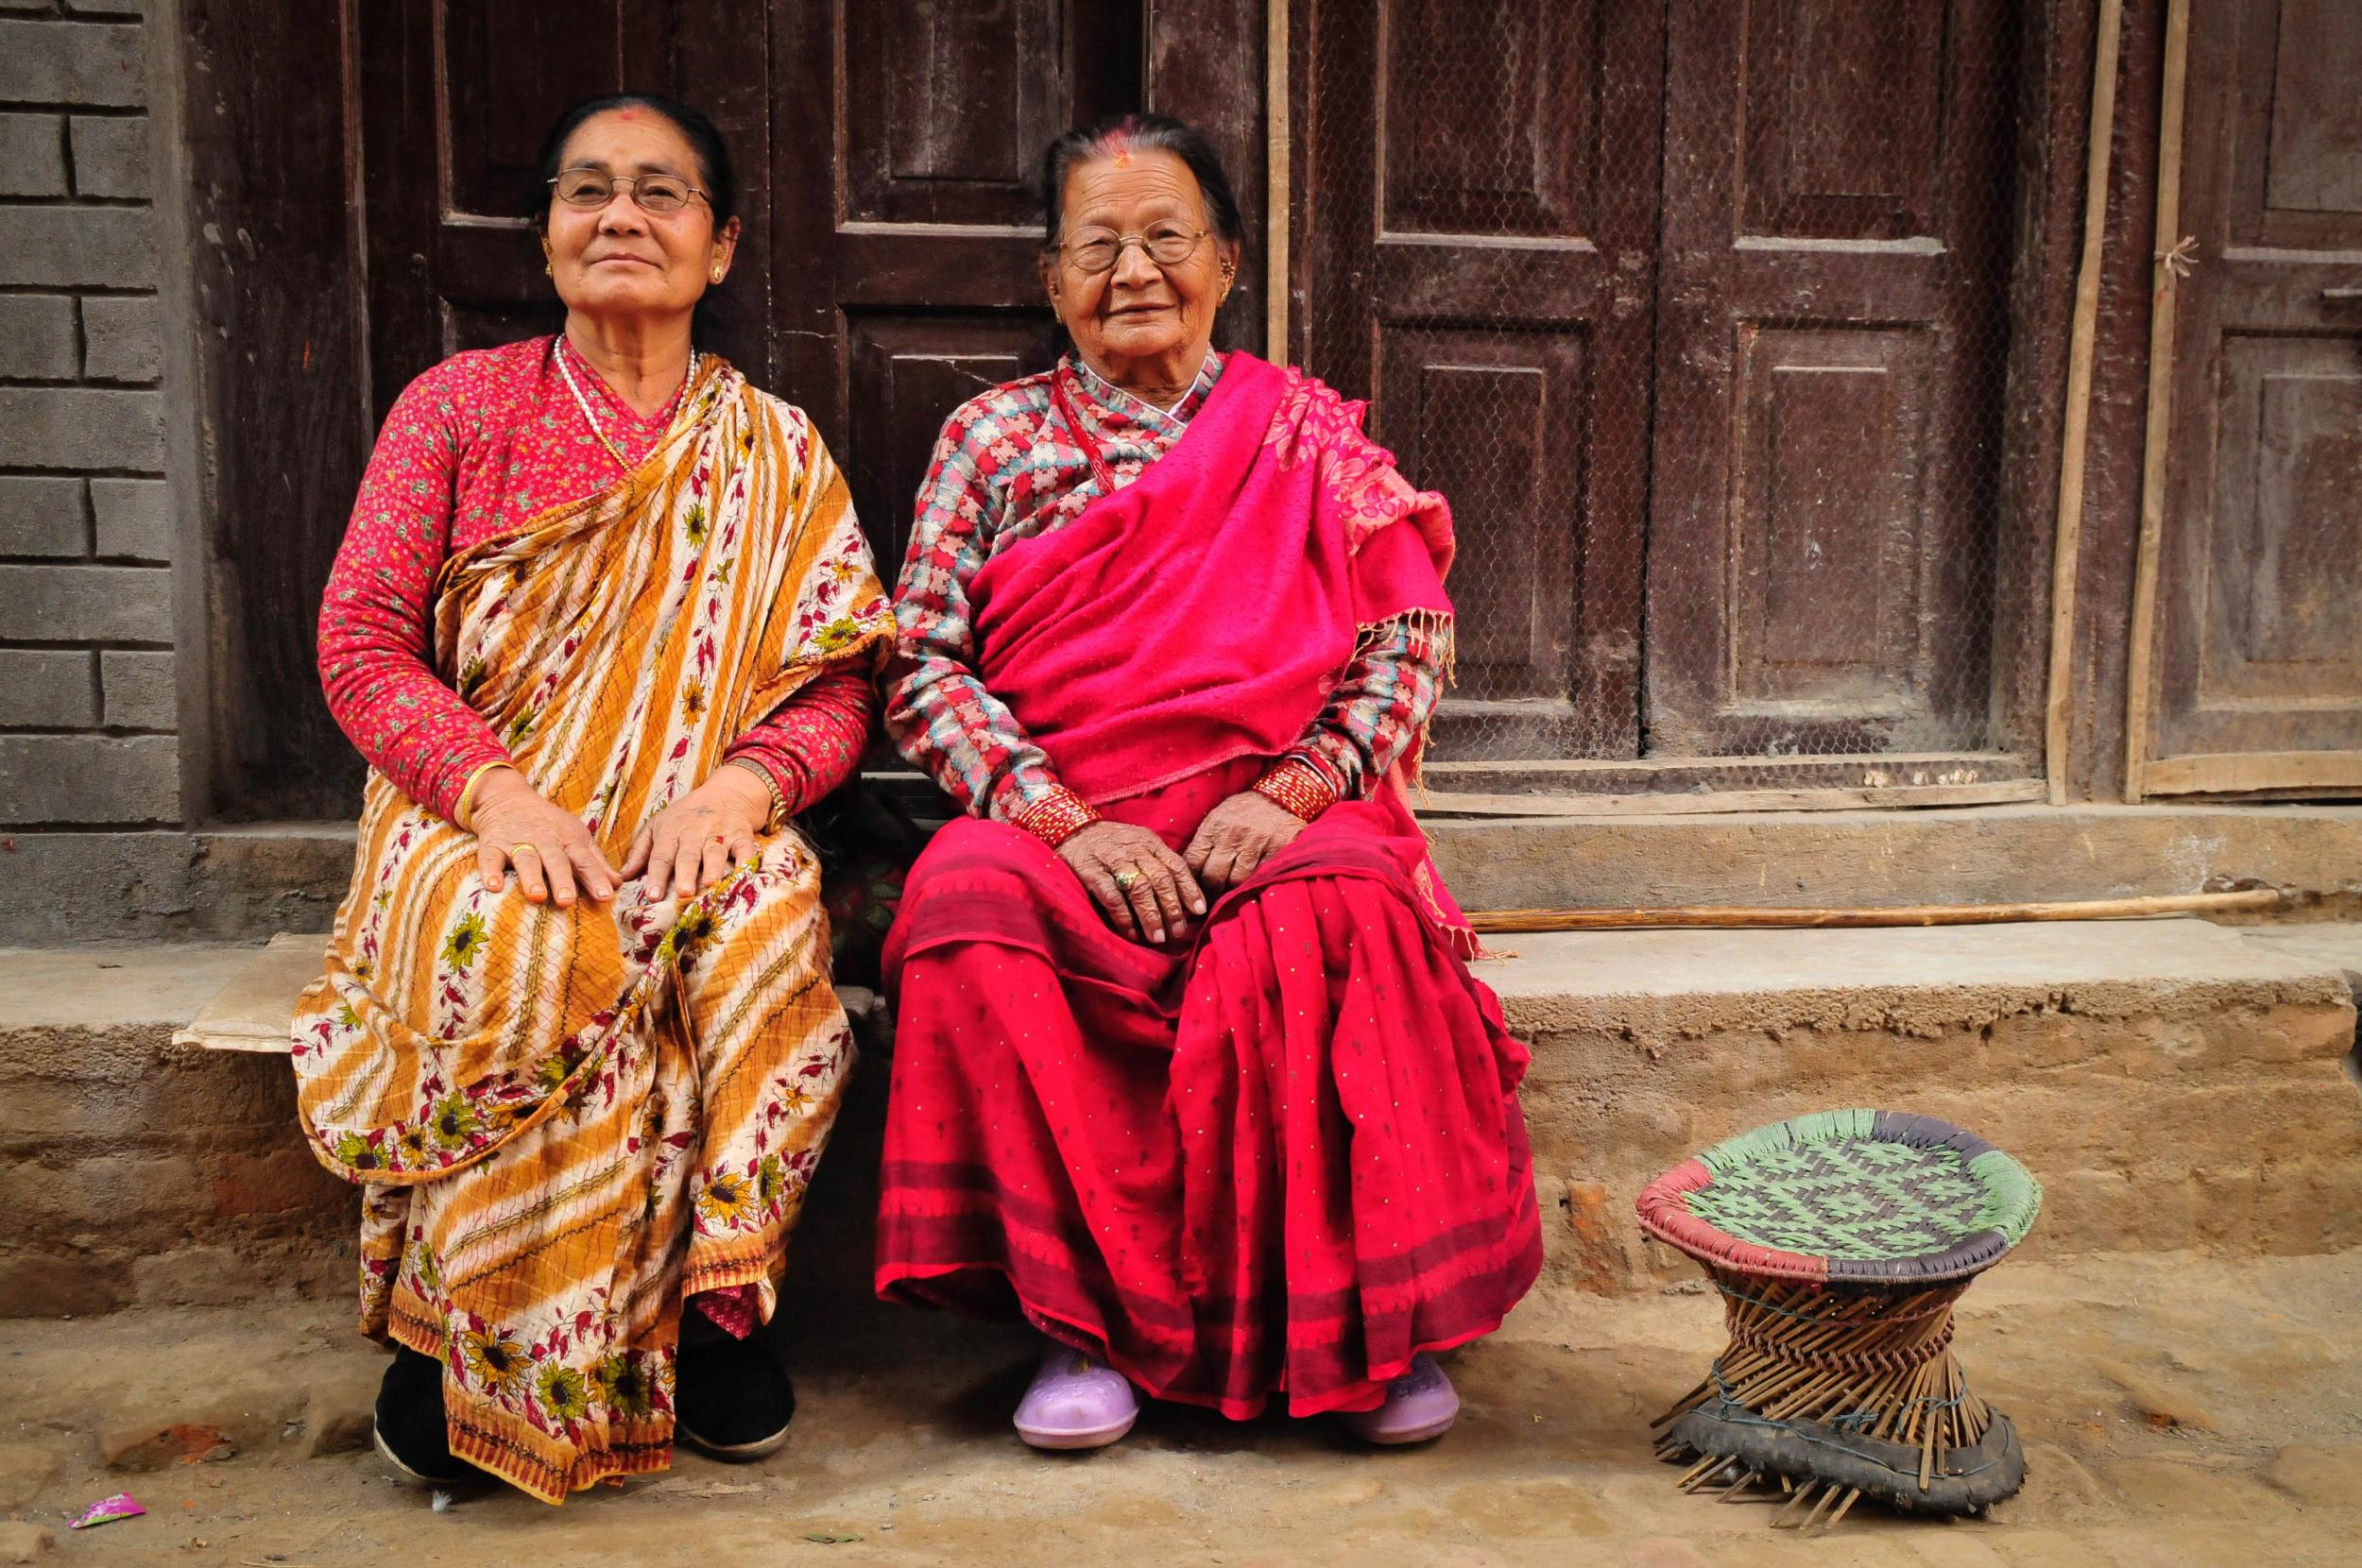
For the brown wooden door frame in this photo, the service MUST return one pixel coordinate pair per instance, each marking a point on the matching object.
(2237, 687)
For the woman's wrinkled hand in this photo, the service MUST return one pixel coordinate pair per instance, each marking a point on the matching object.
(694, 843)
(1238, 836)
(1161, 898)
(551, 851)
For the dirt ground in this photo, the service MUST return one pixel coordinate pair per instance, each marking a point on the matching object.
(2176, 1410)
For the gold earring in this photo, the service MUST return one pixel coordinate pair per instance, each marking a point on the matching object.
(717, 274)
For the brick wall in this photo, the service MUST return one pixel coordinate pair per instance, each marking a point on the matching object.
(88, 707)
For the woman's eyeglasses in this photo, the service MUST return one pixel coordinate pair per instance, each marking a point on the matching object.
(590, 189)
(1094, 250)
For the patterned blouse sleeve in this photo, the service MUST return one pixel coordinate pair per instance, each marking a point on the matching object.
(374, 628)
(1388, 692)
(938, 709)
(1386, 697)
(811, 743)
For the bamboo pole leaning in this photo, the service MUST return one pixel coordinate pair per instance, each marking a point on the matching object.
(1707, 917)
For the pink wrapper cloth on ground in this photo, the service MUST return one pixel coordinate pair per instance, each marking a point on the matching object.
(108, 1509)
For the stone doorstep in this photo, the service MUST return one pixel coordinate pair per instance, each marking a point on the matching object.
(255, 1007)
(1693, 982)
(2129, 1060)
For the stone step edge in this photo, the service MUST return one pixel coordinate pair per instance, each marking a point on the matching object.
(1910, 980)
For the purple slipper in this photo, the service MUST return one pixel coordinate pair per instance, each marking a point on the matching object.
(1421, 1404)
(1075, 1401)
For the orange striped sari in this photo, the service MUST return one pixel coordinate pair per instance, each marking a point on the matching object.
(565, 1122)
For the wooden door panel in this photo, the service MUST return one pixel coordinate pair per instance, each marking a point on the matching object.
(1829, 470)
(1829, 378)
(1515, 584)
(449, 126)
(2258, 636)
(1476, 258)
(906, 279)
(909, 372)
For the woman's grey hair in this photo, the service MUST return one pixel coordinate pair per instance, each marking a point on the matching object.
(1135, 134)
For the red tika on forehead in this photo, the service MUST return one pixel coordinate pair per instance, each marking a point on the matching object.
(1117, 146)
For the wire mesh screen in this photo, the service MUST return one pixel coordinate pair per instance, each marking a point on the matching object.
(1700, 315)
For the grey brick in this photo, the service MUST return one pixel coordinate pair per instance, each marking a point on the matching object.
(49, 687)
(81, 427)
(111, 156)
(134, 517)
(72, 62)
(139, 691)
(32, 155)
(86, 603)
(40, 516)
(77, 247)
(36, 337)
(107, 8)
(90, 778)
(121, 339)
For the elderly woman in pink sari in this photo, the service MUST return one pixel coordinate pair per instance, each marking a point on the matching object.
(1191, 1070)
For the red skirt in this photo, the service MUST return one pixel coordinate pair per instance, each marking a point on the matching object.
(1283, 1159)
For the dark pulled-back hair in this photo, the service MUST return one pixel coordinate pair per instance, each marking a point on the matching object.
(1136, 133)
(716, 175)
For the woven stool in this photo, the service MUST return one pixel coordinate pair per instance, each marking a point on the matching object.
(1840, 1242)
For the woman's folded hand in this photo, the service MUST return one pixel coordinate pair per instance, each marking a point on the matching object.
(550, 850)
(1238, 836)
(1144, 888)
(694, 843)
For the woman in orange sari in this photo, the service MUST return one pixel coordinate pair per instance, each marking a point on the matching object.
(602, 623)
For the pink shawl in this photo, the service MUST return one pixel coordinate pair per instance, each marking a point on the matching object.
(1205, 612)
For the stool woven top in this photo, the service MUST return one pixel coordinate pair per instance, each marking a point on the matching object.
(1847, 1198)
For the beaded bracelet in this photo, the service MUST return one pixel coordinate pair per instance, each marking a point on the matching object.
(1055, 817)
(1298, 788)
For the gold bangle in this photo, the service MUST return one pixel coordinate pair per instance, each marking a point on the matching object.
(467, 793)
(771, 786)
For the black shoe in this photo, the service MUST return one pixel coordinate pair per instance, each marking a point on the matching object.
(730, 1400)
(409, 1428)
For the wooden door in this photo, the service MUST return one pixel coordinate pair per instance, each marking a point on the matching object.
(885, 150)
(2258, 633)
(454, 101)
(907, 137)
(1476, 229)
(1829, 378)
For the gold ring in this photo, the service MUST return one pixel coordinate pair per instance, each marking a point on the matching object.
(1127, 880)
(517, 850)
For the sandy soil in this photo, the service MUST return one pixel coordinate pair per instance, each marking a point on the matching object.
(2176, 1410)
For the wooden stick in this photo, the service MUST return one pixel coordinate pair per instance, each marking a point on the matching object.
(1278, 177)
(1772, 917)
(2067, 548)
(2166, 282)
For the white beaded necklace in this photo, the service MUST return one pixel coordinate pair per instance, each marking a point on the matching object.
(592, 418)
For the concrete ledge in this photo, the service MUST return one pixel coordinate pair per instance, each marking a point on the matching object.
(1990, 854)
(133, 1172)
(2173, 1084)
(1909, 980)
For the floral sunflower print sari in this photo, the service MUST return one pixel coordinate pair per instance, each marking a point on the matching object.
(567, 1123)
